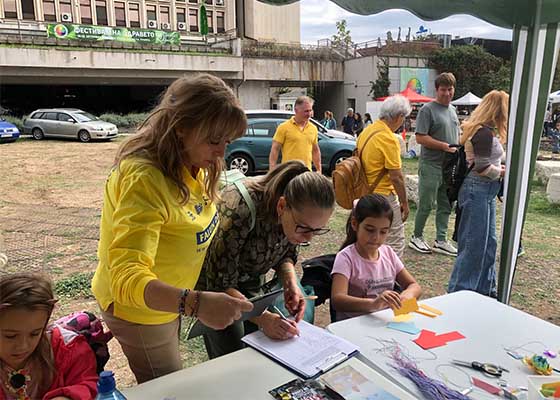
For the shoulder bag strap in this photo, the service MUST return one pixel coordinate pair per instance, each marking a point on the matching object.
(383, 171)
(248, 200)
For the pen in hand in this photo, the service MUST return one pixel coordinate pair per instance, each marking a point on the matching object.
(281, 314)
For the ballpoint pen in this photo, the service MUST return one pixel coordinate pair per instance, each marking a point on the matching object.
(280, 313)
(283, 316)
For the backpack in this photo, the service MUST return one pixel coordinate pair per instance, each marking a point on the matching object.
(454, 170)
(89, 326)
(350, 181)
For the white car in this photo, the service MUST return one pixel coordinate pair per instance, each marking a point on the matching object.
(68, 122)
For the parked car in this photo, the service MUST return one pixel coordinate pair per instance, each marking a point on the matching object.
(250, 152)
(68, 122)
(8, 132)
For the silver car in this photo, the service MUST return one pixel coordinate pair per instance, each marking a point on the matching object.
(68, 122)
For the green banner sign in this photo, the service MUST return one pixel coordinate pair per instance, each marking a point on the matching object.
(99, 33)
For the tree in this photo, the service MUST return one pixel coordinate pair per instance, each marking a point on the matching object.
(342, 38)
(475, 69)
(380, 87)
(556, 80)
(501, 79)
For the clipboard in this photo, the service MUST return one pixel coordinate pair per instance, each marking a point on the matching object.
(260, 304)
(309, 355)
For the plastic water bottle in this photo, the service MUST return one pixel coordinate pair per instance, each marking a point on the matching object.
(106, 387)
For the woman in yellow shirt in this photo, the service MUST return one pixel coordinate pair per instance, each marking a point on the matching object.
(158, 220)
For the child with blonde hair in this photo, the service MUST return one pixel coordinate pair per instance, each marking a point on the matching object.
(36, 362)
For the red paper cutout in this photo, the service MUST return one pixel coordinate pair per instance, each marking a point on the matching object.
(429, 340)
(486, 386)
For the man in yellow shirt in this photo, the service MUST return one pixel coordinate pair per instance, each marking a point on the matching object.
(297, 137)
(381, 155)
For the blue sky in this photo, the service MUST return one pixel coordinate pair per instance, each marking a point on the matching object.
(318, 18)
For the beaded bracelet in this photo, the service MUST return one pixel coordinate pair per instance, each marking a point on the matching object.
(196, 304)
(183, 300)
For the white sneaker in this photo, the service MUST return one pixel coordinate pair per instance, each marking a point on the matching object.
(420, 245)
(444, 247)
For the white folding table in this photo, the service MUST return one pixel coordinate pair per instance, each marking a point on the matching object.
(488, 325)
(244, 374)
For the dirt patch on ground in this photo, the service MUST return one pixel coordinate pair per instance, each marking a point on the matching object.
(50, 205)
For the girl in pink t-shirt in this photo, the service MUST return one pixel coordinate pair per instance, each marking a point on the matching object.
(365, 269)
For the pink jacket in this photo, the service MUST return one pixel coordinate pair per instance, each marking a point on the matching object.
(75, 376)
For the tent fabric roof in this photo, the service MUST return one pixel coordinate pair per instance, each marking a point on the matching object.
(412, 96)
(504, 13)
(469, 99)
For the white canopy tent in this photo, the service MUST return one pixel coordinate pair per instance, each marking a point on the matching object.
(468, 100)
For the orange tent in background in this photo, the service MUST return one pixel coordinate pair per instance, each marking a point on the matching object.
(412, 96)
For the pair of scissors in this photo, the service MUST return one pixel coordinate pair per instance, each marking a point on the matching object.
(487, 368)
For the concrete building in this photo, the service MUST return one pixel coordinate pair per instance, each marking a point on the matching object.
(251, 45)
(262, 22)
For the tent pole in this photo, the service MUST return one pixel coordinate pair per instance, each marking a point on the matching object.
(534, 59)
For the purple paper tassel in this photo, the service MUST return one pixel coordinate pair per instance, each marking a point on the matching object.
(431, 388)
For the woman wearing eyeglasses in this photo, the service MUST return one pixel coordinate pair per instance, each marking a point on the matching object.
(292, 206)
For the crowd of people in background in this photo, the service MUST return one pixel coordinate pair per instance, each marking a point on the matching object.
(170, 246)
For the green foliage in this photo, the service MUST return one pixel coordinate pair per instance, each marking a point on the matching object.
(125, 121)
(476, 70)
(380, 87)
(75, 285)
(342, 38)
(14, 120)
(501, 79)
(556, 79)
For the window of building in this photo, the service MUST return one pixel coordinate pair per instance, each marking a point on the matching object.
(210, 18)
(181, 15)
(65, 7)
(28, 9)
(193, 1)
(220, 22)
(151, 13)
(10, 9)
(101, 12)
(193, 20)
(49, 12)
(85, 11)
(120, 14)
(134, 14)
(209, 2)
(164, 14)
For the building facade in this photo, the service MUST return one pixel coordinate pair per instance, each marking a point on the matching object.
(262, 21)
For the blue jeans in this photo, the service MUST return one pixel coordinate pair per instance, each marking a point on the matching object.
(555, 141)
(475, 267)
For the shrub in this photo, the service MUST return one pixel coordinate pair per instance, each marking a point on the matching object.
(14, 120)
(128, 121)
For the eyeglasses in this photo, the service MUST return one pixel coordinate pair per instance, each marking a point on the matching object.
(306, 229)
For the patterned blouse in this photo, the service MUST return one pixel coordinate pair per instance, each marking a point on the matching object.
(238, 257)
